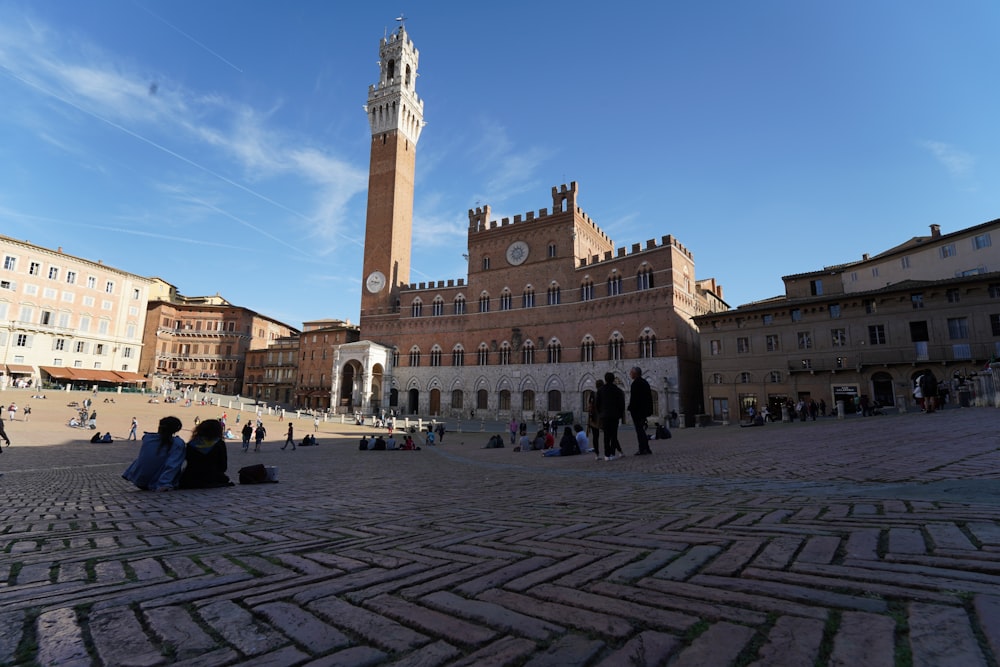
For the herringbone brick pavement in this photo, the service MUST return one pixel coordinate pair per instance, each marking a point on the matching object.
(856, 542)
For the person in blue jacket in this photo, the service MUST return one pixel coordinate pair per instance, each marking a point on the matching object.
(161, 457)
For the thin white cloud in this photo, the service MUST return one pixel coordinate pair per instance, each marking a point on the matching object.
(181, 123)
(958, 163)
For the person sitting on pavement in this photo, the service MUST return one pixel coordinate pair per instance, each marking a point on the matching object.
(107, 437)
(582, 441)
(567, 445)
(161, 457)
(206, 458)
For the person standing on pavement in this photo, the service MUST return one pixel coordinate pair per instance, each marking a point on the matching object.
(610, 403)
(290, 438)
(247, 433)
(3, 435)
(640, 407)
(593, 422)
(133, 429)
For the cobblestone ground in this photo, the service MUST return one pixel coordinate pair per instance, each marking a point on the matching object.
(858, 542)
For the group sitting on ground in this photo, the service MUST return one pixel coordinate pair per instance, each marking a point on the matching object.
(378, 443)
(571, 443)
(102, 438)
(166, 462)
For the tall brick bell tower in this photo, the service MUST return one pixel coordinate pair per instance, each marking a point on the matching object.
(396, 116)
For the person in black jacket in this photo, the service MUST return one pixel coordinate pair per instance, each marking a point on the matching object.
(610, 404)
(206, 458)
(640, 406)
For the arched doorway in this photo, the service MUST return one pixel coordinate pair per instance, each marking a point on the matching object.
(375, 398)
(435, 407)
(413, 404)
(346, 394)
(882, 389)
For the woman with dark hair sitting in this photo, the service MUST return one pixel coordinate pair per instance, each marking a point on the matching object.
(161, 456)
(206, 457)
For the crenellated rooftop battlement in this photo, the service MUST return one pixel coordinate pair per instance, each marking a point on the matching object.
(665, 242)
(563, 201)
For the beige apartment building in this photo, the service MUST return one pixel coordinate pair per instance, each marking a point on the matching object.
(863, 331)
(201, 342)
(65, 320)
(549, 305)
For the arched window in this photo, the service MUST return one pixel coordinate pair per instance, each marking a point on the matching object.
(416, 308)
(482, 355)
(614, 285)
(528, 297)
(587, 349)
(528, 352)
(774, 376)
(457, 398)
(505, 354)
(395, 356)
(555, 351)
(504, 399)
(552, 250)
(647, 345)
(616, 347)
(484, 303)
(460, 305)
(436, 355)
(745, 377)
(555, 400)
(437, 307)
(587, 290)
(644, 279)
(458, 356)
(716, 378)
(482, 399)
(554, 295)
(414, 356)
(505, 299)
(528, 400)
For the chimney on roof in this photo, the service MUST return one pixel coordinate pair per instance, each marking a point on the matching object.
(935, 231)
(864, 257)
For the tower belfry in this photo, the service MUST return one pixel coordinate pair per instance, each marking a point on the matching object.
(396, 117)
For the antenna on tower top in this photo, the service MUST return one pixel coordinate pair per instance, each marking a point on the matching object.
(401, 19)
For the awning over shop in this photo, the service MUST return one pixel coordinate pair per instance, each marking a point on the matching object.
(81, 374)
(20, 369)
(128, 376)
(58, 372)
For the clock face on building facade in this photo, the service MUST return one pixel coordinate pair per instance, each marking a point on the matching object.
(375, 282)
(517, 252)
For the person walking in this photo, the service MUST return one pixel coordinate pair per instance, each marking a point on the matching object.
(610, 404)
(12, 411)
(247, 433)
(3, 435)
(640, 407)
(258, 435)
(290, 438)
(133, 429)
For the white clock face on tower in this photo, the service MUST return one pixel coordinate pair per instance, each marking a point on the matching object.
(375, 282)
(517, 252)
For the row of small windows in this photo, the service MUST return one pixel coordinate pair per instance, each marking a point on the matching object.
(62, 344)
(505, 354)
(54, 272)
(835, 310)
(958, 329)
(506, 301)
(746, 377)
(49, 318)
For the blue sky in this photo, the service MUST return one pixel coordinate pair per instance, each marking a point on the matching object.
(223, 147)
